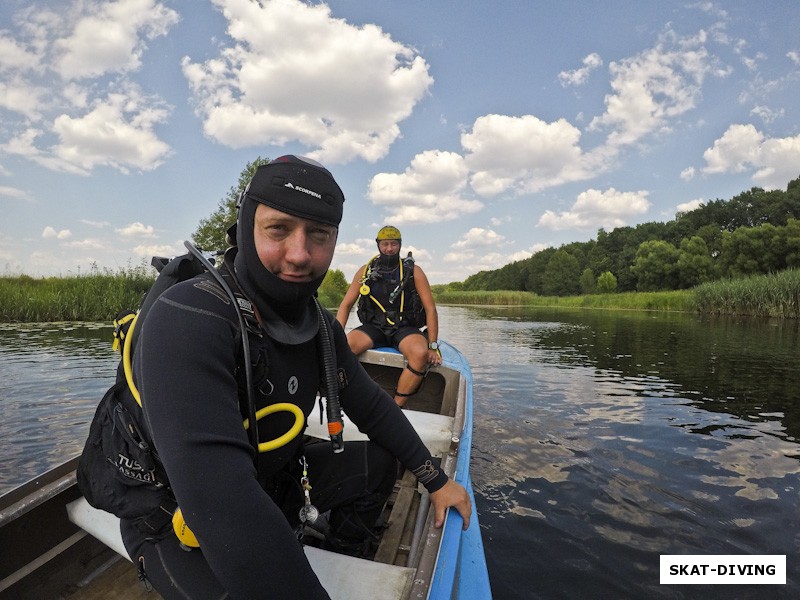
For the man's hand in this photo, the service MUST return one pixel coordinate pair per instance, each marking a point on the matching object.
(452, 494)
(434, 357)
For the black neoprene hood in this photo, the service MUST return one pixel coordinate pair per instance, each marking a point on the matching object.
(303, 188)
(298, 186)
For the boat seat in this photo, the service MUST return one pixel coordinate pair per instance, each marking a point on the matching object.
(335, 571)
(435, 430)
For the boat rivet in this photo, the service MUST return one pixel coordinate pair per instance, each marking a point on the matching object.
(455, 439)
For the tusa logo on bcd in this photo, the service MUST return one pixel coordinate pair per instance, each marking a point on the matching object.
(133, 470)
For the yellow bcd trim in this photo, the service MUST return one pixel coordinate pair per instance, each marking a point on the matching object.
(126, 362)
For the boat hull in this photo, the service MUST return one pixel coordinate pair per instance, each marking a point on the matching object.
(55, 557)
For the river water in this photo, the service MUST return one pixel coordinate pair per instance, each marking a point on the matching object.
(602, 440)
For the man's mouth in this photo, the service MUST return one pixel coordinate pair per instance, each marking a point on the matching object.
(295, 277)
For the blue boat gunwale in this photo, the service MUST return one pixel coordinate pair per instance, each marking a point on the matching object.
(467, 576)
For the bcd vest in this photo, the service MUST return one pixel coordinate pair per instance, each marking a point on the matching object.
(389, 298)
(119, 470)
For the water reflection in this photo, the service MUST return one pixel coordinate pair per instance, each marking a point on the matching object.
(51, 378)
(602, 440)
(607, 439)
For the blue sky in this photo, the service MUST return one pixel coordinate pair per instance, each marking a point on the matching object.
(485, 131)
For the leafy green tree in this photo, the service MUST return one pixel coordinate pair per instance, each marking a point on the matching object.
(606, 283)
(333, 288)
(455, 286)
(616, 251)
(210, 234)
(757, 207)
(509, 277)
(684, 226)
(694, 262)
(655, 266)
(750, 251)
(712, 236)
(597, 257)
(536, 268)
(588, 283)
(562, 275)
(476, 282)
(790, 243)
(621, 246)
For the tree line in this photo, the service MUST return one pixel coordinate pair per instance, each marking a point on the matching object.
(755, 232)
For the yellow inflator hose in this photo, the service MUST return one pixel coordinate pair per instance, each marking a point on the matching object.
(278, 442)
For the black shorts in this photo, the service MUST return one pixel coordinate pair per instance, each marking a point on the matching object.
(392, 339)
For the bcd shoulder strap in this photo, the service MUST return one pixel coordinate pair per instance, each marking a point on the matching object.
(119, 470)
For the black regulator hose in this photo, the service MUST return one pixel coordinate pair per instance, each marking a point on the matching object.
(332, 407)
(408, 264)
(252, 431)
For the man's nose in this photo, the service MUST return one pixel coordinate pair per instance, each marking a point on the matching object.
(297, 247)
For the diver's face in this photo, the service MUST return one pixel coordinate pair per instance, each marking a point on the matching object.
(389, 247)
(294, 249)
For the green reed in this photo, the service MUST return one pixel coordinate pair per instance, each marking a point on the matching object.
(680, 300)
(99, 296)
(96, 296)
(773, 295)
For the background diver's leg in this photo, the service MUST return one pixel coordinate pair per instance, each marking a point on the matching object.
(415, 350)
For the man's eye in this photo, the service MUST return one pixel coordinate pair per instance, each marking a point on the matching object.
(320, 236)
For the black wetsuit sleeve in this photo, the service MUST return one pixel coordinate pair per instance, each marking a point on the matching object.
(186, 374)
(377, 415)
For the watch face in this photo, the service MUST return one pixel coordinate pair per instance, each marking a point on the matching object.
(434, 346)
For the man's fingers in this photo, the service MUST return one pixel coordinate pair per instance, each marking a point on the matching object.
(440, 513)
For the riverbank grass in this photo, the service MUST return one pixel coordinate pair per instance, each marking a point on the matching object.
(773, 295)
(679, 300)
(97, 296)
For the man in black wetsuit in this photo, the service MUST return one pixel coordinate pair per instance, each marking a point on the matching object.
(244, 512)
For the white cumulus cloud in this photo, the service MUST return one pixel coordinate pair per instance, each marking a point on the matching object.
(580, 76)
(147, 251)
(430, 190)
(773, 161)
(343, 95)
(137, 230)
(14, 193)
(110, 37)
(689, 206)
(51, 233)
(478, 237)
(653, 87)
(594, 209)
(118, 132)
(523, 154)
(65, 77)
